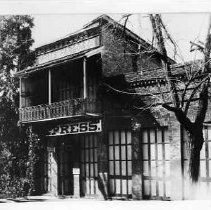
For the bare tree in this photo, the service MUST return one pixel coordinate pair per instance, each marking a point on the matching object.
(195, 90)
(179, 92)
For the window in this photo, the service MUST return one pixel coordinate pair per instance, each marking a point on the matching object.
(155, 163)
(89, 169)
(120, 163)
(205, 157)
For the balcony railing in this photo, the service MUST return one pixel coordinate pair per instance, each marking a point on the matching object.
(68, 108)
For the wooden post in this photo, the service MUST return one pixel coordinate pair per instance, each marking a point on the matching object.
(76, 182)
(84, 79)
(136, 160)
(20, 90)
(49, 86)
(102, 165)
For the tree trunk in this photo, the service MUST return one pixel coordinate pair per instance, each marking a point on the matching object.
(195, 129)
(195, 145)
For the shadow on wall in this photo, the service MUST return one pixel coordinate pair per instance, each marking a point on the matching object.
(103, 184)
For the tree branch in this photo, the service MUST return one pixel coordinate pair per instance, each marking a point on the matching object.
(203, 104)
(180, 115)
(156, 25)
(203, 99)
(191, 79)
(197, 47)
(193, 93)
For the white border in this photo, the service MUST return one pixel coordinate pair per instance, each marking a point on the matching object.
(106, 6)
(102, 6)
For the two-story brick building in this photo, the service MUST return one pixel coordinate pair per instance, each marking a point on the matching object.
(96, 141)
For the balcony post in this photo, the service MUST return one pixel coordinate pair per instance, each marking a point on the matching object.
(20, 91)
(49, 86)
(84, 79)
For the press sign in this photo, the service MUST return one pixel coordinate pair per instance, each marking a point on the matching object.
(76, 128)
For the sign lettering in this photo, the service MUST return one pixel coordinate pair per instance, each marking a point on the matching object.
(76, 128)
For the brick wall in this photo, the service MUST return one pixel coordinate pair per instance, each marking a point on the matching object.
(175, 158)
(122, 55)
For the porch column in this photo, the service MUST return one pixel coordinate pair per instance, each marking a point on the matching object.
(76, 182)
(84, 79)
(20, 91)
(49, 86)
(136, 161)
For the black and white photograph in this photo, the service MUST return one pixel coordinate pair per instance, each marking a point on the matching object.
(105, 108)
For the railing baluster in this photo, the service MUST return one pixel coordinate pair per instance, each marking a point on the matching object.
(47, 111)
(70, 108)
(51, 111)
(30, 114)
(38, 112)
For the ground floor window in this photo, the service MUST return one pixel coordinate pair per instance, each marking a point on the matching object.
(155, 163)
(120, 163)
(205, 164)
(205, 158)
(89, 169)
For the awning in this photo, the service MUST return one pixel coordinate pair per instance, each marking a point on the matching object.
(57, 62)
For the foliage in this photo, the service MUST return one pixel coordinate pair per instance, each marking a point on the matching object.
(15, 43)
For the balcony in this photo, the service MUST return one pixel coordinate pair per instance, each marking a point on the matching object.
(62, 109)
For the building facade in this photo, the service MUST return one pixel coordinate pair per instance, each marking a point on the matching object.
(96, 144)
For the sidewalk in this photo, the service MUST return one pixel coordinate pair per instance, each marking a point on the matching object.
(55, 203)
(43, 198)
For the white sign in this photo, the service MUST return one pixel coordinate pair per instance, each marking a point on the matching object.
(51, 149)
(68, 50)
(76, 128)
(76, 171)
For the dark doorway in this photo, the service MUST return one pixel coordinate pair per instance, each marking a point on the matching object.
(67, 160)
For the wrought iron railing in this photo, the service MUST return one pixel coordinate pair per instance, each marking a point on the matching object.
(67, 108)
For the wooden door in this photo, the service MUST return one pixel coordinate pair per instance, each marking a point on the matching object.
(65, 170)
(155, 163)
